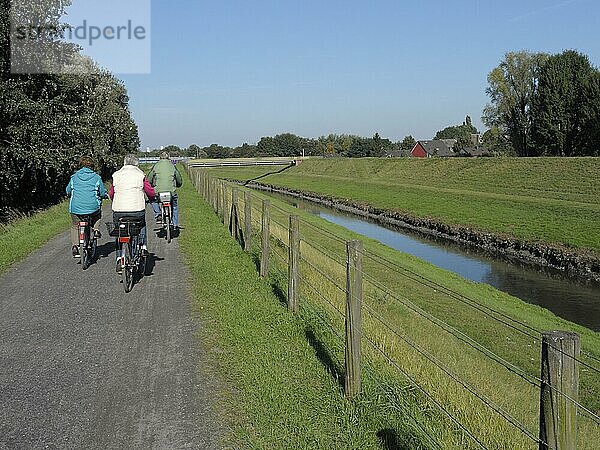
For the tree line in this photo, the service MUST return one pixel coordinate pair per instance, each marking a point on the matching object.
(288, 145)
(48, 120)
(540, 105)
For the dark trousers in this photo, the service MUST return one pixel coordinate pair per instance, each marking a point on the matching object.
(76, 218)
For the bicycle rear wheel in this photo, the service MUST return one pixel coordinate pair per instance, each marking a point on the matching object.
(127, 268)
(84, 250)
(168, 225)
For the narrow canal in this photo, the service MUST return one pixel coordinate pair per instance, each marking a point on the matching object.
(574, 300)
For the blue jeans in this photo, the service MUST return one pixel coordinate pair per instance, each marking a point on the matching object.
(140, 215)
(175, 207)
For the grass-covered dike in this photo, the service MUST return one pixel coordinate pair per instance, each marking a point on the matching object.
(507, 390)
(542, 210)
(283, 391)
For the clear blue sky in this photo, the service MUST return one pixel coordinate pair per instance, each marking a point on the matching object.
(231, 71)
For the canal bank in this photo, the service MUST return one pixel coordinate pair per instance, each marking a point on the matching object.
(566, 293)
(574, 263)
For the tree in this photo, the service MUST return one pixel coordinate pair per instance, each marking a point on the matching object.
(407, 144)
(497, 143)
(462, 133)
(511, 88)
(562, 115)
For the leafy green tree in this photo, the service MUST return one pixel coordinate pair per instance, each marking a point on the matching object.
(245, 151)
(48, 120)
(407, 144)
(511, 88)
(462, 134)
(497, 143)
(215, 151)
(561, 116)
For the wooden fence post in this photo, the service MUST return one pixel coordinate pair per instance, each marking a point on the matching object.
(247, 221)
(218, 200)
(560, 375)
(354, 291)
(294, 264)
(215, 196)
(226, 210)
(233, 221)
(266, 236)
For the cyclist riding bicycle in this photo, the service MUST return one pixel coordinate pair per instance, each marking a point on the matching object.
(127, 194)
(86, 191)
(165, 177)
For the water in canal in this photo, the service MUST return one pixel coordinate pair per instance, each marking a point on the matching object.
(577, 301)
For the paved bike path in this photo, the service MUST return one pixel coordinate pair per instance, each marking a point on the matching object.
(84, 365)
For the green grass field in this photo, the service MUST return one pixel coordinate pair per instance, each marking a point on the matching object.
(550, 200)
(282, 391)
(321, 273)
(21, 237)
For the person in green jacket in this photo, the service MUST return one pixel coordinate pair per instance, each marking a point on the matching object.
(165, 177)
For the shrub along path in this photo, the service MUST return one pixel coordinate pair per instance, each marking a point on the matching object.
(84, 365)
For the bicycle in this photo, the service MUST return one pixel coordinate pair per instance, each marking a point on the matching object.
(133, 258)
(88, 242)
(166, 213)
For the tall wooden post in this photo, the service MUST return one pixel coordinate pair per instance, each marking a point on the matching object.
(354, 291)
(266, 236)
(226, 209)
(218, 198)
(247, 221)
(294, 264)
(560, 375)
(234, 221)
(215, 195)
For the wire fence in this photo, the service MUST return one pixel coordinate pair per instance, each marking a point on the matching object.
(472, 363)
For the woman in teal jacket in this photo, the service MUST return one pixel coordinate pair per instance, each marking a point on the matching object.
(86, 191)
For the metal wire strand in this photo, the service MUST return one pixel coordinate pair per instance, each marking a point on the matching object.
(447, 327)
(476, 392)
(457, 296)
(324, 275)
(320, 294)
(323, 231)
(509, 366)
(324, 252)
(424, 391)
(531, 379)
(385, 388)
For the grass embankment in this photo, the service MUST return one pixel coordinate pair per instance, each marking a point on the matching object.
(435, 291)
(550, 200)
(283, 395)
(21, 237)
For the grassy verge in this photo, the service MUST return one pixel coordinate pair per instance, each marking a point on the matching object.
(435, 292)
(286, 382)
(533, 199)
(21, 237)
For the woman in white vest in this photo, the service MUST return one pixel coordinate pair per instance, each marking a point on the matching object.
(129, 184)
